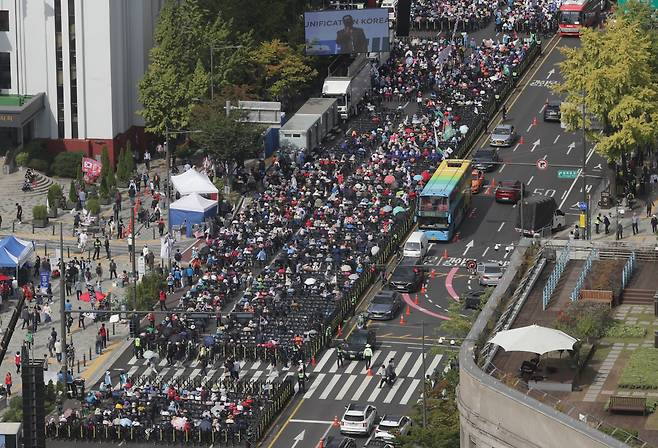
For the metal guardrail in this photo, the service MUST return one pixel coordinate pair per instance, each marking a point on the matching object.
(627, 272)
(575, 294)
(553, 280)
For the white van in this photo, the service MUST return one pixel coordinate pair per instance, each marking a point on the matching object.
(416, 245)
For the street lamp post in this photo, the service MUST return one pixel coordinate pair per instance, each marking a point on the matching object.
(212, 66)
(586, 228)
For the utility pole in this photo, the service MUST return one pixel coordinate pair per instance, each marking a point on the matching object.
(62, 300)
(168, 163)
(132, 237)
(422, 326)
(586, 227)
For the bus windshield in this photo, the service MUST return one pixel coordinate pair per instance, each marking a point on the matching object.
(570, 17)
(433, 223)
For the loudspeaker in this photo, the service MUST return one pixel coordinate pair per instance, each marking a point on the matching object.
(402, 21)
(34, 397)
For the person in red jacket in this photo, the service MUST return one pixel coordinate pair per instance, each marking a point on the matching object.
(8, 383)
(17, 361)
(163, 299)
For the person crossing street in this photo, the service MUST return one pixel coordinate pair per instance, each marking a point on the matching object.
(301, 378)
(367, 355)
(340, 356)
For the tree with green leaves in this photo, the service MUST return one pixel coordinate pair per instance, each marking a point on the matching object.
(179, 69)
(612, 75)
(122, 171)
(284, 70)
(129, 159)
(459, 324)
(226, 138)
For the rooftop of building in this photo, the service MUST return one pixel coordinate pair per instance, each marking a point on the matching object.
(14, 100)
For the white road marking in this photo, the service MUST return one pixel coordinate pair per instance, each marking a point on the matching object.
(194, 373)
(257, 375)
(416, 367)
(323, 361)
(564, 195)
(501, 168)
(375, 393)
(516, 147)
(499, 229)
(133, 360)
(327, 390)
(346, 387)
(255, 365)
(529, 127)
(314, 386)
(485, 251)
(556, 139)
(362, 388)
(394, 390)
(410, 391)
(402, 363)
(530, 180)
(132, 371)
(435, 362)
(570, 188)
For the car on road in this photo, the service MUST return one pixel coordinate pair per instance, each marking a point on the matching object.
(489, 274)
(552, 111)
(385, 305)
(486, 159)
(477, 180)
(339, 442)
(408, 275)
(509, 191)
(392, 424)
(358, 419)
(372, 442)
(503, 135)
(356, 343)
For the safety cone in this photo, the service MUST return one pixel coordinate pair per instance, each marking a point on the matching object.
(534, 121)
(336, 423)
(340, 330)
(370, 372)
(433, 274)
(416, 301)
(493, 183)
(445, 254)
(423, 289)
(408, 312)
(402, 322)
(522, 140)
(321, 444)
(313, 360)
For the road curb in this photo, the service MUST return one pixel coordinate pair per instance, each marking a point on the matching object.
(100, 370)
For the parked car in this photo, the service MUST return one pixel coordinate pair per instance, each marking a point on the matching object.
(489, 274)
(391, 424)
(477, 180)
(408, 275)
(486, 159)
(339, 442)
(357, 341)
(358, 419)
(385, 305)
(472, 299)
(552, 111)
(502, 135)
(509, 191)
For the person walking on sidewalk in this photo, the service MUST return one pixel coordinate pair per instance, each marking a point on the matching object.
(17, 362)
(99, 271)
(58, 350)
(102, 332)
(654, 223)
(606, 224)
(635, 221)
(19, 213)
(8, 383)
(106, 243)
(81, 319)
(97, 249)
(597, 223)
(649, 205)
(113, 270)
(163, 300)
(620, 230)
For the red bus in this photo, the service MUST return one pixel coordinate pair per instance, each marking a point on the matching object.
(575, 14)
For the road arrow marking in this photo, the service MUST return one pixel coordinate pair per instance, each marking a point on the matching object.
(550, 73)
(572, 145)
(535, 144)
(468, 246)
(556, 139)
(298, 438)
(598, 167)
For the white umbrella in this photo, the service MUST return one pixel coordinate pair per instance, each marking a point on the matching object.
(346, 268)
(148, 354)
(114, 318)
(533, 339)
(310, 281)
(353, 276)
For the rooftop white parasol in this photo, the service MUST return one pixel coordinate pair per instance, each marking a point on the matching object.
(533, 339)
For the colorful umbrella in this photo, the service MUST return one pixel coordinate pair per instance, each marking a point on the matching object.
(4, 277)
(398, 210)
(99, 296)
(388, 180)
(426, 175)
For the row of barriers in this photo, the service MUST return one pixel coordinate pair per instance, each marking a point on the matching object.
(627, 272)
(551, 284)
(575, 293)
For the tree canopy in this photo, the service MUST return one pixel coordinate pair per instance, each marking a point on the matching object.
(613, 74)
(226, 138)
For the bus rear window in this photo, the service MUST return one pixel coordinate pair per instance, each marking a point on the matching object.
(570, 17)
(433, 203)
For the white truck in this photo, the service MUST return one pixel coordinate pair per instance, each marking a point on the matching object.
(350, 90)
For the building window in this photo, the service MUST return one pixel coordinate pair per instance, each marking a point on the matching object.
(5, 70)
(59, 69)
(72, 71)
(4, 20)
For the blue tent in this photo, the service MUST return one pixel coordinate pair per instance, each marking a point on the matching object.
(191, 209)
(14, 252)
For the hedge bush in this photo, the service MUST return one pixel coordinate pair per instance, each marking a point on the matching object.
(54, 195)
(93, 206)
(640, 370)
(147, 291)
(22, 158)
(67, 164)
(621, 330)
(39, 212)
(39, 165)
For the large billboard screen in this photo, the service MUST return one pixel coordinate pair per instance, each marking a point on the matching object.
(347, 31)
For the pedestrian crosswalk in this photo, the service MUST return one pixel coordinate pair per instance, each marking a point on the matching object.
(327, 380)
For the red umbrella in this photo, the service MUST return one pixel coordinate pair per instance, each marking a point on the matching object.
(426, 175)
(4, 277)
(99, 296)
(388, 180)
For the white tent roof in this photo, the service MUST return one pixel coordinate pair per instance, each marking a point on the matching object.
(194, 203)
(335, 86)
(533, 339)
(191, 181)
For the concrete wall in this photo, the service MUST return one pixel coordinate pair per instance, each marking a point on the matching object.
(496, 416)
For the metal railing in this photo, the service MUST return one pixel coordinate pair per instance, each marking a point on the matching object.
(575, 294)
(551, 284)
(627, 272)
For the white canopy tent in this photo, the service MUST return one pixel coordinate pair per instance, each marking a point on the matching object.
(533, 339)
(191, 209)
(191, 181)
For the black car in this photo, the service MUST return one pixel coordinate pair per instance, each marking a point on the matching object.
(486, 159)
(356, 343)
(472, 300)
(408, 275)
(385, 305)
(339, 442)
(552, 111)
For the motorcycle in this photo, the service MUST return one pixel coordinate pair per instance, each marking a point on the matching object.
(362, 321)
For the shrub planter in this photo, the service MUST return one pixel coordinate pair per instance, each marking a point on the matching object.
(40, 223)
(52, 212)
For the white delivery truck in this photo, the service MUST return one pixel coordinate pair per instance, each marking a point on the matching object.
(350, 90)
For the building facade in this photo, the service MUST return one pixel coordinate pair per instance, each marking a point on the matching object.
(69, 71)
